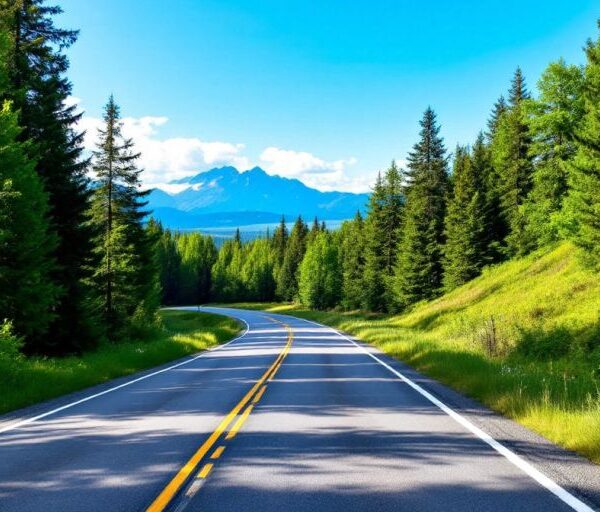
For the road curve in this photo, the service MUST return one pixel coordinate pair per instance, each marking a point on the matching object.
(290, 416)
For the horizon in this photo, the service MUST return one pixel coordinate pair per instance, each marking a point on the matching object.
(326, 95)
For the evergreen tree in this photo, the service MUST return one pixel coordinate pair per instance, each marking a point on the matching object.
(279, 242)
(28, 295)
(320, 276)
(513, 163)
(287, 284)
(374, 285)
(124, 279)
(314, 230)
(494, 227)
(227, 284)
(384, 226)
(582, 206)
(419, 268)
(498, 110)
(169, 262)
(39, 90)
(257, 271)
(197, 254)
(553, 119)
(352, 262)
(464, 252)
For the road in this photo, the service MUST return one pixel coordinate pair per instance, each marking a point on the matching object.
(290, 416)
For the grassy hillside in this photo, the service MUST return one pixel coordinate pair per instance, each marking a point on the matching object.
(524, 339)
(29, 380)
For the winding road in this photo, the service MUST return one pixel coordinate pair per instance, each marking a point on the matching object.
(291, 416)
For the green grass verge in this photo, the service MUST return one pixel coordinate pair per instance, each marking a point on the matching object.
(537, 364)
(31, 380)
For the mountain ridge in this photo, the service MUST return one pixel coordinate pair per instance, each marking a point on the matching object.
(228, 193)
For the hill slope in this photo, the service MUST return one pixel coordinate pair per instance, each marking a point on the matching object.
(524, 338)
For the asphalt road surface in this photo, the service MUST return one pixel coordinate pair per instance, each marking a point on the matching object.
(291, 416)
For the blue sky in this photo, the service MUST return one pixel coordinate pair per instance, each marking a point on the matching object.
(326, 91)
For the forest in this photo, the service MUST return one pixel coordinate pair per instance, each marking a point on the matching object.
(530, 179)
(82, 262)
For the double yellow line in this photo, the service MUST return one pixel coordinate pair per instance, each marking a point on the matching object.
(169, 492)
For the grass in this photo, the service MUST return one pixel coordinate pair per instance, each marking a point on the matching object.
(31, 380)
(524, 339)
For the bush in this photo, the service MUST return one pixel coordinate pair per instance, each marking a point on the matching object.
(10, 343)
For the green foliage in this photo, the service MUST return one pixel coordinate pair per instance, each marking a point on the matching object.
(582, 209)
(384, 224)
(418, 273)
(126, 278)
(465, 250)
(196, 255)
(226, 279)
(38, 88)
(28, 295)
(279, 244)
(513, 163)
(320, 275)
(352, 262)
(258, 271)
(553, 119)
(287, 280)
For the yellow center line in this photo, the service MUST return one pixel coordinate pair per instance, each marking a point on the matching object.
(168, 493)
(218, 452)
(259, 395)
(238, 424)
(205, 470)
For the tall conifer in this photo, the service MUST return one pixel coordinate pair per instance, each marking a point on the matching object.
(582, 208)
(464, 252)
(419, 268)
(124, 280)
(39, 90)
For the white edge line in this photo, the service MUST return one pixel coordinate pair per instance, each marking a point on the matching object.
(522, 464)
(128, 383)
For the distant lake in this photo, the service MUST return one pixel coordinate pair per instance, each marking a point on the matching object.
(252, 231)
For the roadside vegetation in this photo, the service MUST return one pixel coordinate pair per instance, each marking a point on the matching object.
(524, 339)
(28, 380)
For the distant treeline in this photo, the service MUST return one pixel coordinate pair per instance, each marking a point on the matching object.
(530, 179)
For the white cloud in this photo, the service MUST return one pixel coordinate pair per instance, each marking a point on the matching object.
(313, 171)
(165, 160)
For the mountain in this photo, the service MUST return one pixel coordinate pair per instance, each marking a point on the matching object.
(228, 197)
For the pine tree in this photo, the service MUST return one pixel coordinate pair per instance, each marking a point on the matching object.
(279, 242)
(257, 271)
(352, 262)
(494, 227)
(197, 254)
(314, 230)
(124, 279)
(227, 285)
(374, 284)
(287, 284)
(419, 268)
(465, 251)
(169, 262)
(320, 277)
(39, 90)
(28, 294)
(553, 119)
(498, 110)
(582, 206)
(513, 164)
